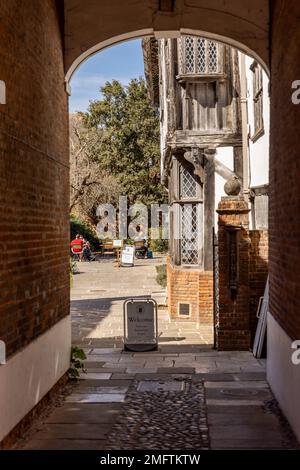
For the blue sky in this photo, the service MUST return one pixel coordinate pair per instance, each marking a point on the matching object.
(122, 62)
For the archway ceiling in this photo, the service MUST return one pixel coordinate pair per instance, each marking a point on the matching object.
(93, 24)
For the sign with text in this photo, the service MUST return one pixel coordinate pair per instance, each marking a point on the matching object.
(127, 258)
(140, 324)
(117, 243)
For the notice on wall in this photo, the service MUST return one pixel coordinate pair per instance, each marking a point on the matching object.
(140, 322)
(127, 257)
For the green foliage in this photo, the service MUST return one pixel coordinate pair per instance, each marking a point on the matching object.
(159, 245)
(82, 228)
(77, 366)
(73, 270)
(161, 277)
(129, 136)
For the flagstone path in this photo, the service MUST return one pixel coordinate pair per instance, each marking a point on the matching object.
(185, 395)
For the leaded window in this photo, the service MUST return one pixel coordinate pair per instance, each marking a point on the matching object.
(199, 56)
(188, 184)
(257, 100)
(189, 234)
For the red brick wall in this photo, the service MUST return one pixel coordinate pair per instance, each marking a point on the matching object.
(206, 297)
(258, 272)
(34, 232)
(237, 313)
(284, 219)
(190, 286)
(234, 321)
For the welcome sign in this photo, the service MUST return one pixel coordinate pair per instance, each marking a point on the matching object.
(140, 324)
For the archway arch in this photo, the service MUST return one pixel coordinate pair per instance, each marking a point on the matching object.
(139, 34)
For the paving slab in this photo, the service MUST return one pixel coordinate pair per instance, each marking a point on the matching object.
(93, 365)
(137, 370)
(112, 382)
(250, 376)
(230, 409)
(213, 376)
(119, 376)
(95, 376)
(175, 370)
(103, 358)
(107, 389)
(247, 418)
(73, 431)
(65, 444)
(247, 431)
(95, 398)
(238, 393)
(244, 444)
(237, 385)
(85, 413)
(233, 402)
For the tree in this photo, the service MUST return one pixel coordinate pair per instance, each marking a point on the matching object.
(128, 139)
(90, 183)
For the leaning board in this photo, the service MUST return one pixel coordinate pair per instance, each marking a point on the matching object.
(261, 314)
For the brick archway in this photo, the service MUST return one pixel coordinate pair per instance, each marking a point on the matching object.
(86, 25)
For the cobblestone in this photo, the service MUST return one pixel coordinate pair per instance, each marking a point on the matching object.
(162, 420)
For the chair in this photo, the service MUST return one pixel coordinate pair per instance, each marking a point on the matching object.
(76, 254)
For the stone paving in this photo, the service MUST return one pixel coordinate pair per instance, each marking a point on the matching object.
(184, 395)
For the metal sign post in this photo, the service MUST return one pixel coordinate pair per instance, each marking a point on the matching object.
(140, 325)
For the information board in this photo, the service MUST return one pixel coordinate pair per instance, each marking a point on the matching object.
(127, 257)
(140, 324)
(117, 243)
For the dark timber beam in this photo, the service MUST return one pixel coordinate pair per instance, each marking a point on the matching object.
(209, 207)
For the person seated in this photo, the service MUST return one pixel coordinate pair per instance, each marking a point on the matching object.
(141, 247)
(87, 252)
(77, 247)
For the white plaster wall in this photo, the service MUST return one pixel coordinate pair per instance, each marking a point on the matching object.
(163, 99)
(32, 372)
(259, 150)
(225, 156)
(282, 375)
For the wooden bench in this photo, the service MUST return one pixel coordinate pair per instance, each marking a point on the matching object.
(108, 248)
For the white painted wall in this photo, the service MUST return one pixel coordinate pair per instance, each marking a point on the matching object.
(163, 103)
(32, 372)
(282, 375)
(259, 150)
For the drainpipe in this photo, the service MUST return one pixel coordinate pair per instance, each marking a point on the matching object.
(244, 128)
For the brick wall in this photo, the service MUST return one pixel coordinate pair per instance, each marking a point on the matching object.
(34, 232)
(284, 199)
(234, 320)
(190, 286)
(237, 310)
(258, 272)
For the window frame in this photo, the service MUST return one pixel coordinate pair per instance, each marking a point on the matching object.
(257, 91)
(195, 72)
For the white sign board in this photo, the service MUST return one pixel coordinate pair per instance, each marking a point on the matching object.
(140, 324)
(127, 258)
(117, 243)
